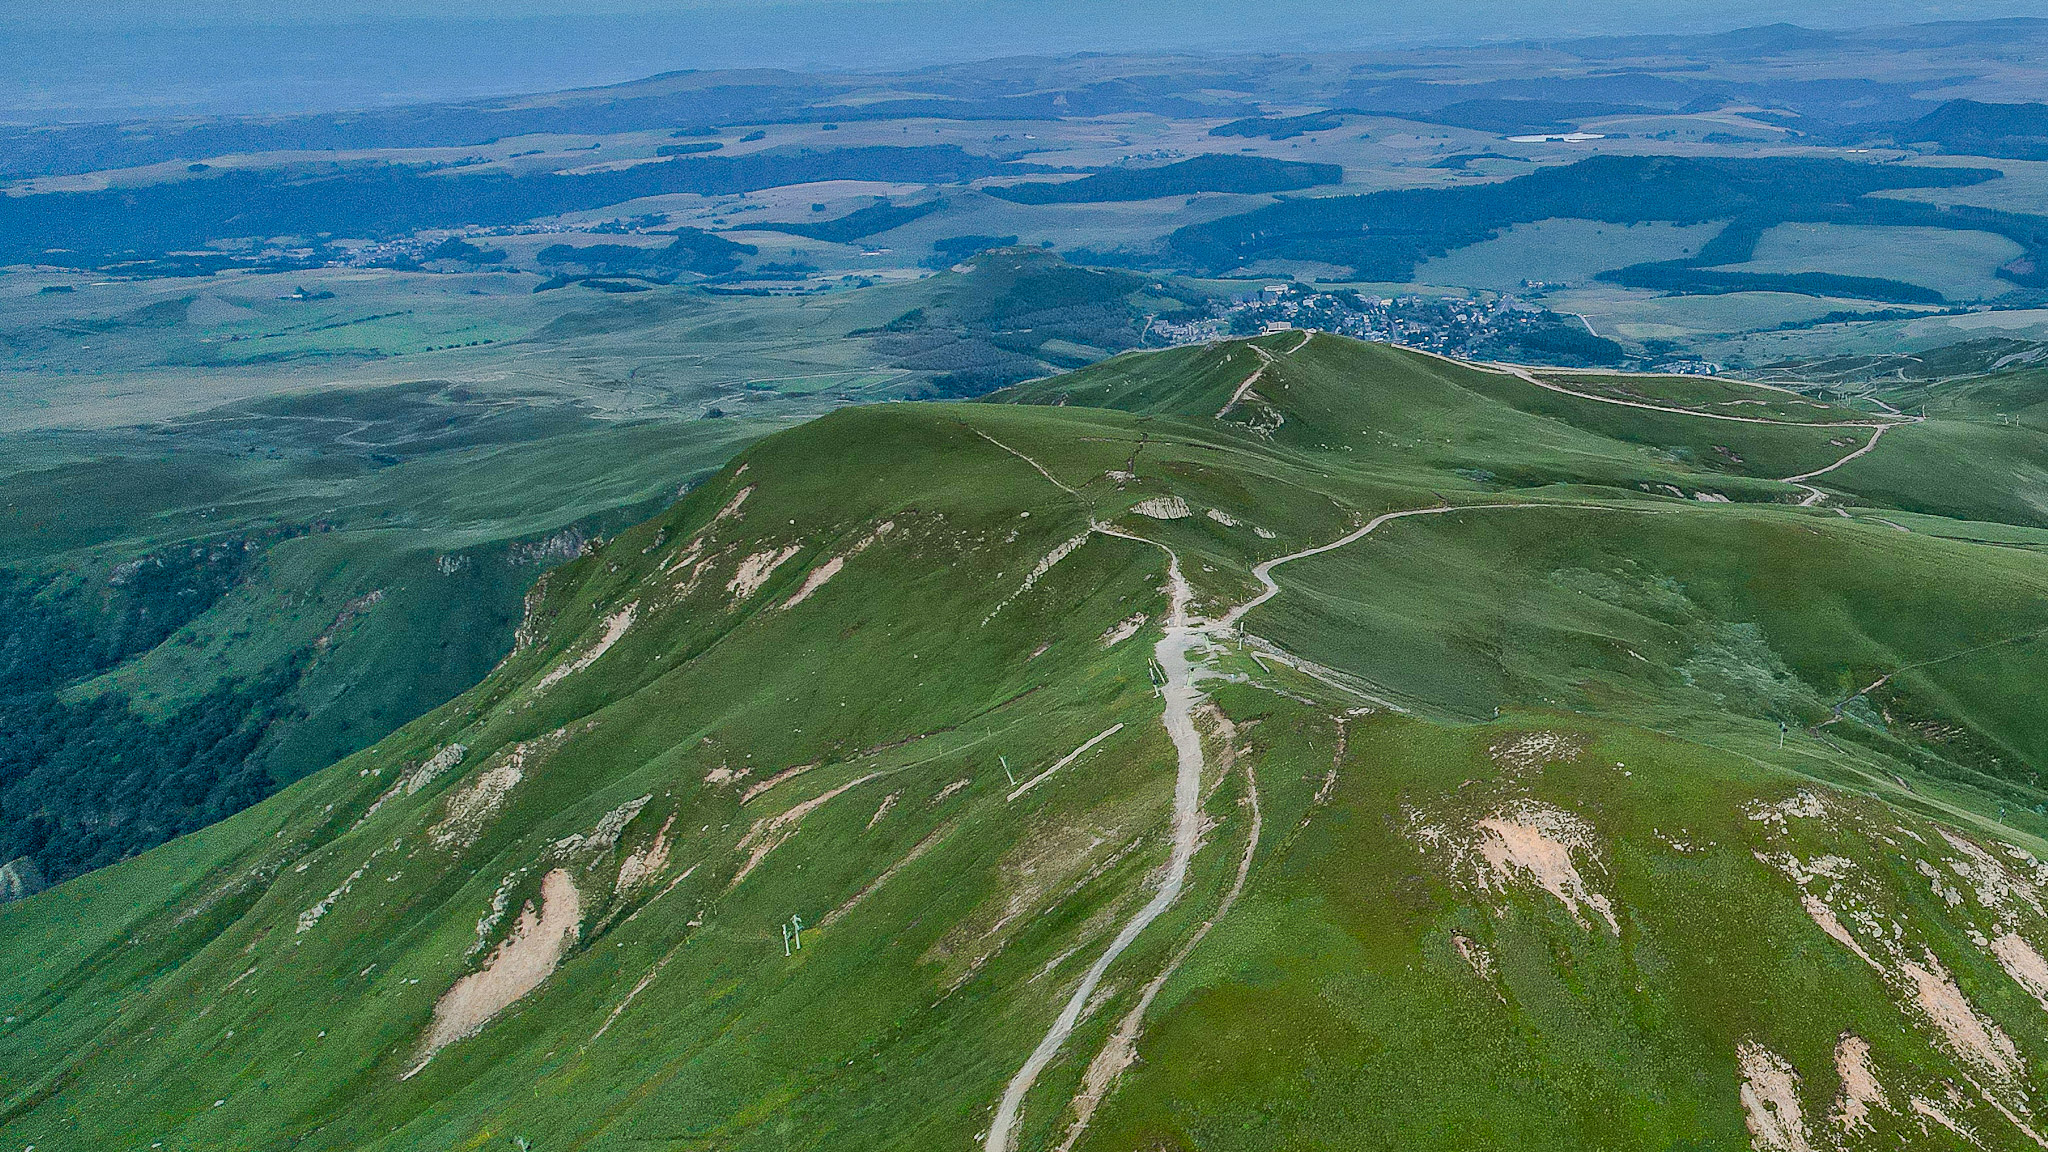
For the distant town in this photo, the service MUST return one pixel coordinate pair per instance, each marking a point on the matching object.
(1480, 326)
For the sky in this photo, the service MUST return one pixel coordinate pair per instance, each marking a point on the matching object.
(119, 58)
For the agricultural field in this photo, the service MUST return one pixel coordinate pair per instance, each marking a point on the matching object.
(1714, 323)
(1960, 265)
(1886, 345)
(1180, 158)
(1566, 253)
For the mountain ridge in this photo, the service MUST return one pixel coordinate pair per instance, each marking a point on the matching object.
(1588, 819)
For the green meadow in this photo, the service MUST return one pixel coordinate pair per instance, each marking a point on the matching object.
(1572, 807)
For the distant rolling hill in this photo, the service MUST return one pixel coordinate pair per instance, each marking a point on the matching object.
(2015, 131)
(1277, 743)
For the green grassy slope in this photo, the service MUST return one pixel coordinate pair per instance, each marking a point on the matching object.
(1623, 911)
(1721, 610)
(1979, 455)
(1438, 416)
(392, 530)
(387, 493)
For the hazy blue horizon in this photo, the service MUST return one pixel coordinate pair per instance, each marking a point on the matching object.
(125, 59)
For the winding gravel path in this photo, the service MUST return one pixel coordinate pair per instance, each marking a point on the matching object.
(1529, 377)
(1264, 572)
(1174, 653)
(1244, 389)
(1815, 495)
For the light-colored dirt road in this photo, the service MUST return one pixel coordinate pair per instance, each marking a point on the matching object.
(1813, 495)
(1263, 573)
(1244, 388)
(1122, 1047)
(1529, 377)
(1175, 653)
(1179, 655)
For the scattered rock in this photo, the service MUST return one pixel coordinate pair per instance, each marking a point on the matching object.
(1163, 508)
(1123, 630)
(539, 940)
(1065, 549)
(1770, 1100)
(1860, 1090)
(472, 807)
(2023, 964)
(755, 570)
(615, 627)
(441, 761)
(644, 864)
(1523, 841)
(1532, 750)
(605, 833)
(830, 568)
(1539, 844)
(1978, 1040)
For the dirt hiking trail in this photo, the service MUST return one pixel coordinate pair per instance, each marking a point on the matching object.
(1181, 693)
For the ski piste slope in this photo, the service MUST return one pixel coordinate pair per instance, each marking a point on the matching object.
(1314, 891)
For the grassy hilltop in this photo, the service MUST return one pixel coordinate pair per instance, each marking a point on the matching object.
(1665, 775)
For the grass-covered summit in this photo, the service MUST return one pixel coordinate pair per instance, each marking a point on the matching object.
(1283, 743)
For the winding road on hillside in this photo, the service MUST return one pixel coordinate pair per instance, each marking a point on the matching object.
(1263, 573)
(1244, 387)
(1266, 360)
(1878, 427)
(1528, 377)
(1177, 653)
(1813, 495)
